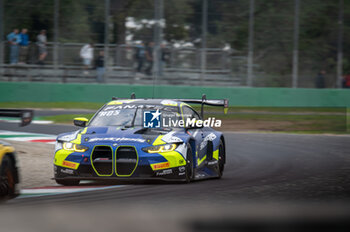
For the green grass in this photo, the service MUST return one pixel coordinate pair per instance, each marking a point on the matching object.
(48, 105)
(65, 118)
(272, 109)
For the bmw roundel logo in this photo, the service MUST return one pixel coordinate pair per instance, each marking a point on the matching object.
(115, 144)
(86, 139)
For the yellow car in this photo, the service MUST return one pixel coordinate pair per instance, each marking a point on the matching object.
(8, 165)
(8, 171)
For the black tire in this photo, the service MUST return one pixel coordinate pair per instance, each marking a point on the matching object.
(221, 161)
(7, 178)
(67, 182)
(189, 165)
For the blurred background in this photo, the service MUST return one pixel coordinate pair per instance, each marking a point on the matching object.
(254, 43)
(288, 163)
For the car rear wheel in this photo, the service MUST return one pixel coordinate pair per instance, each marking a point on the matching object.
(67, 182)
(221, 161)
(189, 166)
(7, 178)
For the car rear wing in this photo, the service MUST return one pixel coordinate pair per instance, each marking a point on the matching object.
(205, 101)
(26, 116)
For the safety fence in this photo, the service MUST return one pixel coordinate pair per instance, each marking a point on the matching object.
(182, 66)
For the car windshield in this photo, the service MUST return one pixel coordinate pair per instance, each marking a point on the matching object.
(122, 117)
(112, 116)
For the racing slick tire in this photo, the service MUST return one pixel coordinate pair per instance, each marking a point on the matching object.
(7, 178)
(189, 166)
(67, 182)
(221, 161)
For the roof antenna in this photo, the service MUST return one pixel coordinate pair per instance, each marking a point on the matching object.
(204, 97)
(133, 96)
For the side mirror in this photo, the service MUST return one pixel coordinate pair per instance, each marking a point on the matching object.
(81, 122)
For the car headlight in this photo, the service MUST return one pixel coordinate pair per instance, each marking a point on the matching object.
(160, 148)
(74, 147)
(58, 145)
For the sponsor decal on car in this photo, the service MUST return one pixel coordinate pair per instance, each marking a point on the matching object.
(213, 162)
(69, 164)
(117, 139)
(130, 106)
(158, 166)
(164, 172)
(109, 113)
(210, 137)
(67, 171)
(169, 103)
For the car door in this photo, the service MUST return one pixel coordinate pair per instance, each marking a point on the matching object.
(197, 133)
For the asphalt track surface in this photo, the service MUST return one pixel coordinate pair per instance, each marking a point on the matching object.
(261, 167)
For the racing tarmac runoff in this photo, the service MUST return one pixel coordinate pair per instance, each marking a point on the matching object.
(264, 172)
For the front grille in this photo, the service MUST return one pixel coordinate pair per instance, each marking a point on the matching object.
(102, 160)
(126, 161)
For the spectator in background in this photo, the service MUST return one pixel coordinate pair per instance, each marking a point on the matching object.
(41, 42)
(14, 40)
(320, 81)
(87, 54)
(149, 58)
(24, 46)
(165, 53)
(140, 56)
(100, 67)
(346, 81)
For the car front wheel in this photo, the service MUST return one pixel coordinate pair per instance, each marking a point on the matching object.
(7, 178)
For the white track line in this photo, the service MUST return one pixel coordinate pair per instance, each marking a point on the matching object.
(50, 190)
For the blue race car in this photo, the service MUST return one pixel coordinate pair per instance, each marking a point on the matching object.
(142, 139)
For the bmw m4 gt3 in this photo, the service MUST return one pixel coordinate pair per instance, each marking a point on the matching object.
(142, 139)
